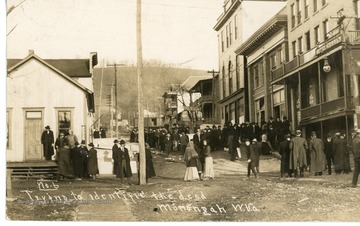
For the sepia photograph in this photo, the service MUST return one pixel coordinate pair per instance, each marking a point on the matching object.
(143, 111)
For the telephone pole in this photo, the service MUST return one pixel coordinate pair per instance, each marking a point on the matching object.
(140, 95)
(115, 98)
(213, 72)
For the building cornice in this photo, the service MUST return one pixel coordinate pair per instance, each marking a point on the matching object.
(226, 16)
(270, 28)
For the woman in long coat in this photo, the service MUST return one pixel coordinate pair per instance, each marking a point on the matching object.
(192, 162)
(92, 164)
(121, 159)
(208, 163)
(64, 164)
(150, 171)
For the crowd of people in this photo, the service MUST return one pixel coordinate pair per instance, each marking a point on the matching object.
(74, 159)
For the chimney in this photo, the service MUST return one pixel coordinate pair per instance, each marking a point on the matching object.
(31, 51)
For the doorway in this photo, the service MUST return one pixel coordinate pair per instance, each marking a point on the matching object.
(32, 134)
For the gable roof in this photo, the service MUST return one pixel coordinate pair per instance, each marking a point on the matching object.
(192, 80)
(14, 63)
(71, 67)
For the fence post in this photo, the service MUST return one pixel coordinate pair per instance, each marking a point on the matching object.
(8, 184)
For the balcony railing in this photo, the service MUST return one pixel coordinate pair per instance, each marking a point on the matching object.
(333, 105)
(354, 36)
(291, 65)
(278, 72)
(310, 112)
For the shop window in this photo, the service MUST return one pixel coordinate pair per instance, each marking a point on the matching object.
(260, 109)
(309, 88)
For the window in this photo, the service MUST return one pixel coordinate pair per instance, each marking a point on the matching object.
(222, 41)
(8, 129)
(292, 15)
(256, 76)
(237, 72)
(281, 56)
(64, 121)
(324, 2)
(279, 103)
(230, 77)
(260, 109)
(306, 9)
(223, 81)
(293, 44)
(300, 45)
(317, 35)
(236, 27)
(315, 5)
(307, 40)
(230, 33)
(309, 87)
(273, 62)
(298, 11)
(227, 36)
(326, 29)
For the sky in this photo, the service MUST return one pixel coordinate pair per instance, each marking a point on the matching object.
(174, 32)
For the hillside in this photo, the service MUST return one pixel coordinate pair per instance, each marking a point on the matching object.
(157, 80)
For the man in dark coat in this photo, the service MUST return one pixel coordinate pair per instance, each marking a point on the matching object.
(284, 151)
(256, 148)
(47, 140)
(356, 153)
(92, 162)
(298, 147)
(329, 152)
(122, 159)
(339, 147)
(77, 160)
(316, 147)
(251, 159)
(198, 140)
(150, 171)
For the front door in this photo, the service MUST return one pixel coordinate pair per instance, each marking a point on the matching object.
(33, 131)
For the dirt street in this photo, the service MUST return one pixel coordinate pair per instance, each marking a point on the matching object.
(229, 197)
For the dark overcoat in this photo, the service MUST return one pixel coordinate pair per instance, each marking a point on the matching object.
(298, 147)
(284, 151)
(47, 139)
(317, 156)
(92, 164)
(339, 148)
(121, 159)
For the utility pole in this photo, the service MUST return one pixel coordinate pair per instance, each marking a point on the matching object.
(140, 95)
(101, 81)
(115, 99)
(213, 72)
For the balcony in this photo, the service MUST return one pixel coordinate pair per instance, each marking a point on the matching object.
(354, 36)
(333, 105)
(278, 72)
(309, 112)
(291, 65)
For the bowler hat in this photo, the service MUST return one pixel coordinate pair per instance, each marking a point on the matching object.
(91, 144)
(298, 131)
(47, 127)
(116, 141)
(83, 142)
(122, 142)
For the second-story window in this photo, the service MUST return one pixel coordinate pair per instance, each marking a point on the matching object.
(317, 35)
(306, 9)
(273, 61)
(300, 45)
(230, 69)
(307, 40)
(227, 36)
(326, 29)
(292, 8)
(222, 41)
(236, 27)
(315, 5)
(223, 81)
(298, 11)
(237, 69)
(230, 32)
(293, 45)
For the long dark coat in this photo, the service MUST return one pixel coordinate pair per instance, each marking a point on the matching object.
(121, 159)
(47, 139)
(64, 164)
(339, 153)
(284, 151)
(317, 156)
(256, 149)
(92, 162)
(77, 160)
(150, 170)
(298, 147)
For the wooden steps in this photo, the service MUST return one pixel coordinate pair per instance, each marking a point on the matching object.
(27, 170)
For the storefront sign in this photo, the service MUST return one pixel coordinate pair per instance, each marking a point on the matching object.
(328, 45)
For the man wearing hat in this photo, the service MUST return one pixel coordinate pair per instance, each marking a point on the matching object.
(316, 147)
(284, 151)
(329, 152)
(356, 153)
(298, 147)
(339, 148)
(92, 162)
(47, 140)
(256, 148)
(121, 160)
(251, 159)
